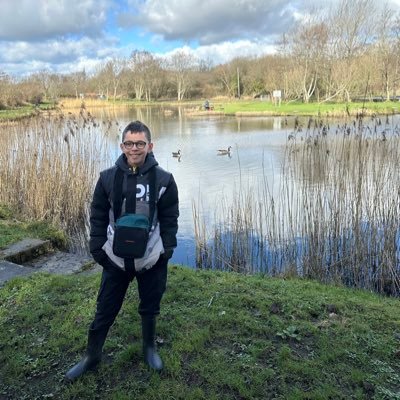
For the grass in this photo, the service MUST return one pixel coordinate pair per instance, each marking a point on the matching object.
(13, 230)
(253, 107)
(221, 106)
(248, 108)
(23, 112)
(225, 336)
(236, 107)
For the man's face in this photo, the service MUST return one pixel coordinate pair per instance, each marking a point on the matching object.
(134, 154)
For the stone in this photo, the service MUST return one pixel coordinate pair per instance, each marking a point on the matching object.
(9, 270)
(35, 255)
(61, 263)
(25, 250)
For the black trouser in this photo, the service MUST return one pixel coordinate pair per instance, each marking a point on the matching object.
(114, 284)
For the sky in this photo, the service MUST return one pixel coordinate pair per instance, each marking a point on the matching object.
(66, 36)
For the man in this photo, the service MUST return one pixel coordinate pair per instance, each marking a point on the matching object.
(155, 195)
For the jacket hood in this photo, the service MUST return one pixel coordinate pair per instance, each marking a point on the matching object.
(149, 162)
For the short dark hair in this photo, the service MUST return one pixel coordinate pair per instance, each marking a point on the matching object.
(136, 127)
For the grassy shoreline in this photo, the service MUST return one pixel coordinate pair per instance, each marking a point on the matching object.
(13, 229)
(255, 108)
(23, 112)
(323, 110)
(238, 108)
(224, 336)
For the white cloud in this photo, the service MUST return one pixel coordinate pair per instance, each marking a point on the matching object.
(224, 52)
(60, 56)
(68, 35)
(210, 21)
(30, 20)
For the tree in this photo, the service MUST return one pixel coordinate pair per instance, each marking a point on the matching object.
(387, 56)
(146, 74)
(308, 50)
(227, 76)
(154, 78)
(350, 34)
(44, 79)
(5, 86)
(78, 80)
(115, 68)
(181, 66)
(137, 64)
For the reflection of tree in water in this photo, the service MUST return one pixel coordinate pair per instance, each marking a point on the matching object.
(350, 151)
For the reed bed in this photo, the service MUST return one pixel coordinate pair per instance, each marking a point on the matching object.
(76, 103)
(48, 168)
(333, 216)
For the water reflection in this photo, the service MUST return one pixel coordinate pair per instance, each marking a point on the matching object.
(256, 161)
(202, 175)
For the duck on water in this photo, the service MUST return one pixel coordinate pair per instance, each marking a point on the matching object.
(222, 152)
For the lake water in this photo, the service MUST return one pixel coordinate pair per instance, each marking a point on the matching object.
(258, 159)
(203, 176)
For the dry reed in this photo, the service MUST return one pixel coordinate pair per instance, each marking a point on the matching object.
(334, 216)
(49, 165)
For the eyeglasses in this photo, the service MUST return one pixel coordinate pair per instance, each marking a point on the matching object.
(139, 145)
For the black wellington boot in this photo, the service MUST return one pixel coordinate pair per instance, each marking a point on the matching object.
(92, 358)
(150, 354)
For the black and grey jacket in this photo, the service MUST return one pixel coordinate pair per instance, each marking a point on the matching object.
(162, 237)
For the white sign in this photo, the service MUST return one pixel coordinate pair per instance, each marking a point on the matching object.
(277, 93)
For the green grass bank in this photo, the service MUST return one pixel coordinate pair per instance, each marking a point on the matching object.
(220, 106)
(14, 228)
(323, 110)
(265, 108)
(222, 336)
(26, 111)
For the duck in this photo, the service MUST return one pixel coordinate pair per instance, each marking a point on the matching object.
(222, 152)
(176, 153)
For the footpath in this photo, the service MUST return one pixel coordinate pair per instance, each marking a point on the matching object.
(30, 256)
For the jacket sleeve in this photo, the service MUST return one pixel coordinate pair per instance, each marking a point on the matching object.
(99, 220)
(168, 213)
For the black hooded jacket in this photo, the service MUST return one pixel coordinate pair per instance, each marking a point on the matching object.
(167, 206)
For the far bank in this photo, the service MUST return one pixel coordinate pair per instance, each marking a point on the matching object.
(218, 106)
(251, 107)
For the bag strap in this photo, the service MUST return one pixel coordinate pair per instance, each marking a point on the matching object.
(117, 191)
(153, 195)
(130, 204)
(131, 193)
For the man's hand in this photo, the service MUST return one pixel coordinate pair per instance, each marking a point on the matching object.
(100, 256)
(167, 254)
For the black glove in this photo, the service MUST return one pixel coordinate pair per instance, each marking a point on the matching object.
(167, 254)
(110, 266)
(100, 256)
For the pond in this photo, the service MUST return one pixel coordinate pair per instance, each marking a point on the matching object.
(272, 206)
(298, 196)
(203, 175)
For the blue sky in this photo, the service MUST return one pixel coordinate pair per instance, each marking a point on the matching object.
(66, 36)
